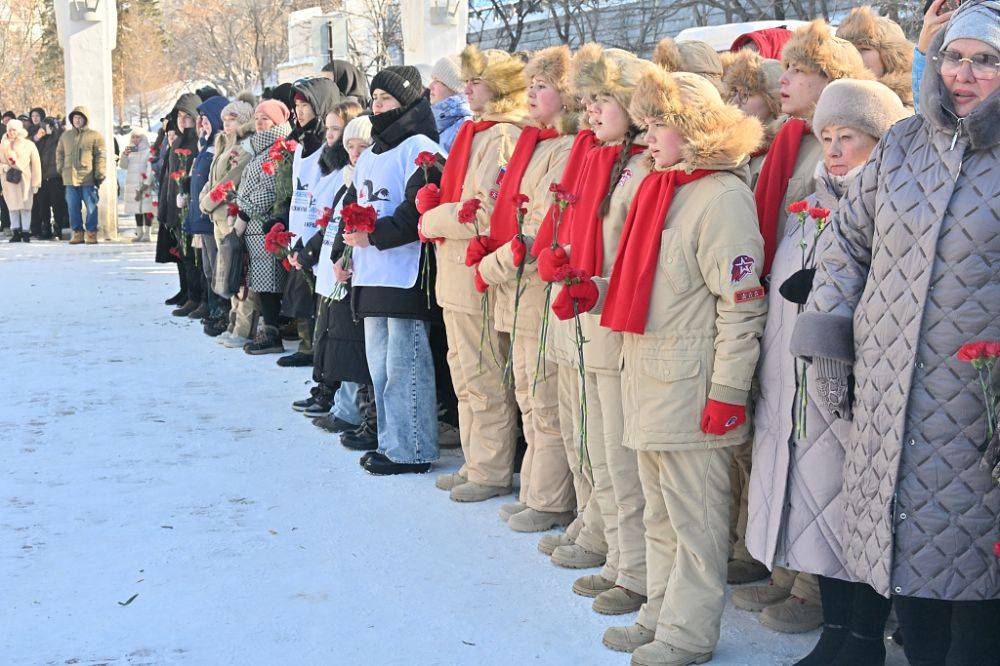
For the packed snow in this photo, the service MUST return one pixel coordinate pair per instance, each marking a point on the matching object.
(162, 504)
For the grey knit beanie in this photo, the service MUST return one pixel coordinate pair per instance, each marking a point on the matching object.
(240, 109)
(975, 19)
(448, 70)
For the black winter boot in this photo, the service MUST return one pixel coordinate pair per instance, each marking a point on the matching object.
(296, 360)
(267, 341)
(315, 393)
(186, 309)
(828, 647)
(363, 438)
(857, 649)
(15, 236)
(25, 236)
(199, 312)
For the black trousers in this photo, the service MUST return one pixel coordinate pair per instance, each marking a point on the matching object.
(270, 308)
(854, 606)
(49, 214)
(4, 214)
(959, 633)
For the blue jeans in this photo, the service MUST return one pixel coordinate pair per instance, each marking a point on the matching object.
(77, 195)
(345, 403)
(402, 370)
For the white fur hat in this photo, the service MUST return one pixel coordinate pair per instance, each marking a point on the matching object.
(868, 106)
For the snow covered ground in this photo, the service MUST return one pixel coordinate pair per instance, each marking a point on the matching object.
(142, 461)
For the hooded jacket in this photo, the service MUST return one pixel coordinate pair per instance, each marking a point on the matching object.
(167, 212)
(387, 172)
(322, 95)
(350, 81)
(198, 222)
(137, 194)
(449, 114)
(47, 147)
(22, 154)
(80, 153)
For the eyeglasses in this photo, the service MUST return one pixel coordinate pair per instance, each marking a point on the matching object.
(984, 66)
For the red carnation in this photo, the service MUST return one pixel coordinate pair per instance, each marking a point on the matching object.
(358, 218)
(798, 207)
(270, 168)
(183, 152)
(287, 265)
(323, 221)
(277, 239)
(996, 548)
(232, 210)
(219, 192)
(818, 213)
(177, 175)
(467, 213)
(520, 200)
(425, 159)
(972, 351)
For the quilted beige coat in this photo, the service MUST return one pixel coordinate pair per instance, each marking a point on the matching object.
(913, 273)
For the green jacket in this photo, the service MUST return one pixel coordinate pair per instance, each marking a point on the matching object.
(80, 155)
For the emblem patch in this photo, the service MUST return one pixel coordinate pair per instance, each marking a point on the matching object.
(741, 268)
(626, 176)
(747, 295)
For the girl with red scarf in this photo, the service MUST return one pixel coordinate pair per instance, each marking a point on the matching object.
(494, 85)
(547, 494)
(685, 295)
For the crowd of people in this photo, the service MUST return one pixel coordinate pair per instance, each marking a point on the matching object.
(710, 309)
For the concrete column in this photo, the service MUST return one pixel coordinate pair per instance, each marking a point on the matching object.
(87, 41)
(432, 29)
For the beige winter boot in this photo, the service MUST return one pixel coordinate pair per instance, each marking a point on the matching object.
(77, 238)
(576, 557)
(449, 481)
(592, 585)
(755, 598)
(531, 520)
(550, 542)
(660, 653)
(470, 491)
(618, 601)
(91, 238)
(508, 510)
(739, 572)
(627, 639)
(792, 616)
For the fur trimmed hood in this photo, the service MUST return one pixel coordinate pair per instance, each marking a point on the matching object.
(814, 48)
(690, 56)
(866, 29)
(900, 83)
(553, 64)
(596, 70)
(750, 74)
(501, 71)
(718, 135)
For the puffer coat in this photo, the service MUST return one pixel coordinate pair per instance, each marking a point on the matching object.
(138, 193)
(255, 197)
(911, 275)
(796, 503)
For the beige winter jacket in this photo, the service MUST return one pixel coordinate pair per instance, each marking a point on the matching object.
(706, 316)
(491, 149)
(228, 164)
(498, 270)
(23, 155)
(80, 154)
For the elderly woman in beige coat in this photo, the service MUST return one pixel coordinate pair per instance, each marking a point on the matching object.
(20, 176)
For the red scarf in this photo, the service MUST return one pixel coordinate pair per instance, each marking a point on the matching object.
(772, 184)
(457, 163)
(503, 222)
(631, 283)
(584, 141)
(586, 227)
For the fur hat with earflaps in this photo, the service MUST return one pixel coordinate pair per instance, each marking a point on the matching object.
(868, 106)
(596, 70)
(501, 71)
(812, 47)
(749, 74)
(690, 56)
(866, 29)
(552, 64)
(717, 135)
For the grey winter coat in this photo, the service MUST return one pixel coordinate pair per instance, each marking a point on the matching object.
(913, 273)
(796, 503)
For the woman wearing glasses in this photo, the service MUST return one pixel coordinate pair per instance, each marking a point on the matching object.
(910, 276)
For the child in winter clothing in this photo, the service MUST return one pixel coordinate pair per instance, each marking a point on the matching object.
(448, 102)
(883, 46)
(753, 86)
(18, 154)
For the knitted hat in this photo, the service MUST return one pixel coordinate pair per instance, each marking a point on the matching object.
(716, 134)
(866, 29)
(975, 19)
(17, 126)
(401, 81)
(553, 65)
(242, 111)
(868, 106)
(501, 71)
(814, 48)
(599, 71)
(749, 74)
(691, 56)
(448, 70)
(273, 109)
(359, 128)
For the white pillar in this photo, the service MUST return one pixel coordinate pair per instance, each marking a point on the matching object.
(433, 29)
(87, 41)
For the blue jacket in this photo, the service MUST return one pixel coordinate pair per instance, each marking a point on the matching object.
(449, 114)
(919, 62)
(198, 222)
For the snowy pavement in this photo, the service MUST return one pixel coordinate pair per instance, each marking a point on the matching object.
(160, 503)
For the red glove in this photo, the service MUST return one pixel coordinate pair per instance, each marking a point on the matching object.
(428, 197)
(478, 248)
(481, 285)
(721, 417)
(584, 293)
(549, 260)
(519, 250)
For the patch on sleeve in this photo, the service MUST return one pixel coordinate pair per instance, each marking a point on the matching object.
(742, 267)
(625, 177)
(752, 294)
